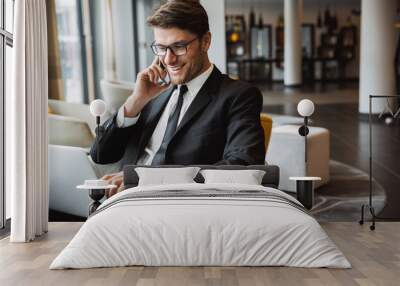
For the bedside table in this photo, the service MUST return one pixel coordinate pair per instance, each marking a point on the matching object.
(96, 193)
(305, 190)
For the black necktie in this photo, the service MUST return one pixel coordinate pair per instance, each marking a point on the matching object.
(159, 158)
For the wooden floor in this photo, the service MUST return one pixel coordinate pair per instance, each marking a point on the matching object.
(374, 255)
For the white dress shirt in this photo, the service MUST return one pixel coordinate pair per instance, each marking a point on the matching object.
(156, 138)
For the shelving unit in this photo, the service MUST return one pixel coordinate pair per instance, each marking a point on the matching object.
(236, 43)
(255, 54)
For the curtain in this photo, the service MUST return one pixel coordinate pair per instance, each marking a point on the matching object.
(26, 129)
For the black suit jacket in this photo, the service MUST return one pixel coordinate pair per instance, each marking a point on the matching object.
(221, 126)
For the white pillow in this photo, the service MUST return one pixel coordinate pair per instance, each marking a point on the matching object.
(248, 177)
(165, 176)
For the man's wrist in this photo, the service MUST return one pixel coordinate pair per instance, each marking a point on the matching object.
(123, 121)
(133, 107)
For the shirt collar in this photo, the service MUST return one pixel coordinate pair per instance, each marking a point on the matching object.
(195, 84)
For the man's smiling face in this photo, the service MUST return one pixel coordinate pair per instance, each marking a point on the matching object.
(183, 68)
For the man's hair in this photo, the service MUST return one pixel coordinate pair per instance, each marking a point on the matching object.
(186, 15)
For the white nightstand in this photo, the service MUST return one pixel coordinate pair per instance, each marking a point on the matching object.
(96, 193)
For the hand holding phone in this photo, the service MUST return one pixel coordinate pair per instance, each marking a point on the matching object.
(163, 80)
(150, 83)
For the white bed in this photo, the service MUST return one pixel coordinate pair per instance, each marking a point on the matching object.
(221, 225)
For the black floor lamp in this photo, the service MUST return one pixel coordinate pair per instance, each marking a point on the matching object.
(304, 185)
(305, 108)
(97, 109)
(96, 187)
(387, 109)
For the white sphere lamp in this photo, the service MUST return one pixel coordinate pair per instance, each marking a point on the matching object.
(98, 107)
(305, 108)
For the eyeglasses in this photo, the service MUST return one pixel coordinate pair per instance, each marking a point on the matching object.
(178, 49)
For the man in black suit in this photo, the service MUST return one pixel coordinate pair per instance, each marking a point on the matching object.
(200, 117)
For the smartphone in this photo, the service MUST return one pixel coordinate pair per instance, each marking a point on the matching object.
(166, 80)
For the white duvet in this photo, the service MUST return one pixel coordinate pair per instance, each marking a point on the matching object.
(183, 231)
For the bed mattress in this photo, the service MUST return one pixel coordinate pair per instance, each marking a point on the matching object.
(201, 225)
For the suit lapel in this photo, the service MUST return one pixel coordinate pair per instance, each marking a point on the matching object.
(202, 98)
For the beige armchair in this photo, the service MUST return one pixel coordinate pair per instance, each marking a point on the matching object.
(115, 93)
(71, 133)
(70, 124)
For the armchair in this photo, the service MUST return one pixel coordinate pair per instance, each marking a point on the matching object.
(71, 133)
(115, 93)
(266, 123)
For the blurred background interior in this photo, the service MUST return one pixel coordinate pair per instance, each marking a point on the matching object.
(290, 49)
(95, 43)
(96, 48)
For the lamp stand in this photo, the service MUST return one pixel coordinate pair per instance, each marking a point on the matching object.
(369, 205)
(96, 195)
(303, 131)
(99, 133)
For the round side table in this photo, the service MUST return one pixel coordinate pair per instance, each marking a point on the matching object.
(96, 193)
(305, 190)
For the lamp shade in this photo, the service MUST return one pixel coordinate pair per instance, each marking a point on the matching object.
(305, 107)
(98, 107)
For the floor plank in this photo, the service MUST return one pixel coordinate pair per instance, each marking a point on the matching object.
(375, 257)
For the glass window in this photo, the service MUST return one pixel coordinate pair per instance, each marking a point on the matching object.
(145, 34)
(2, 109)
(9, 15)
(5, 93)
(70, 44)
(8, 86)
(1, 14)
